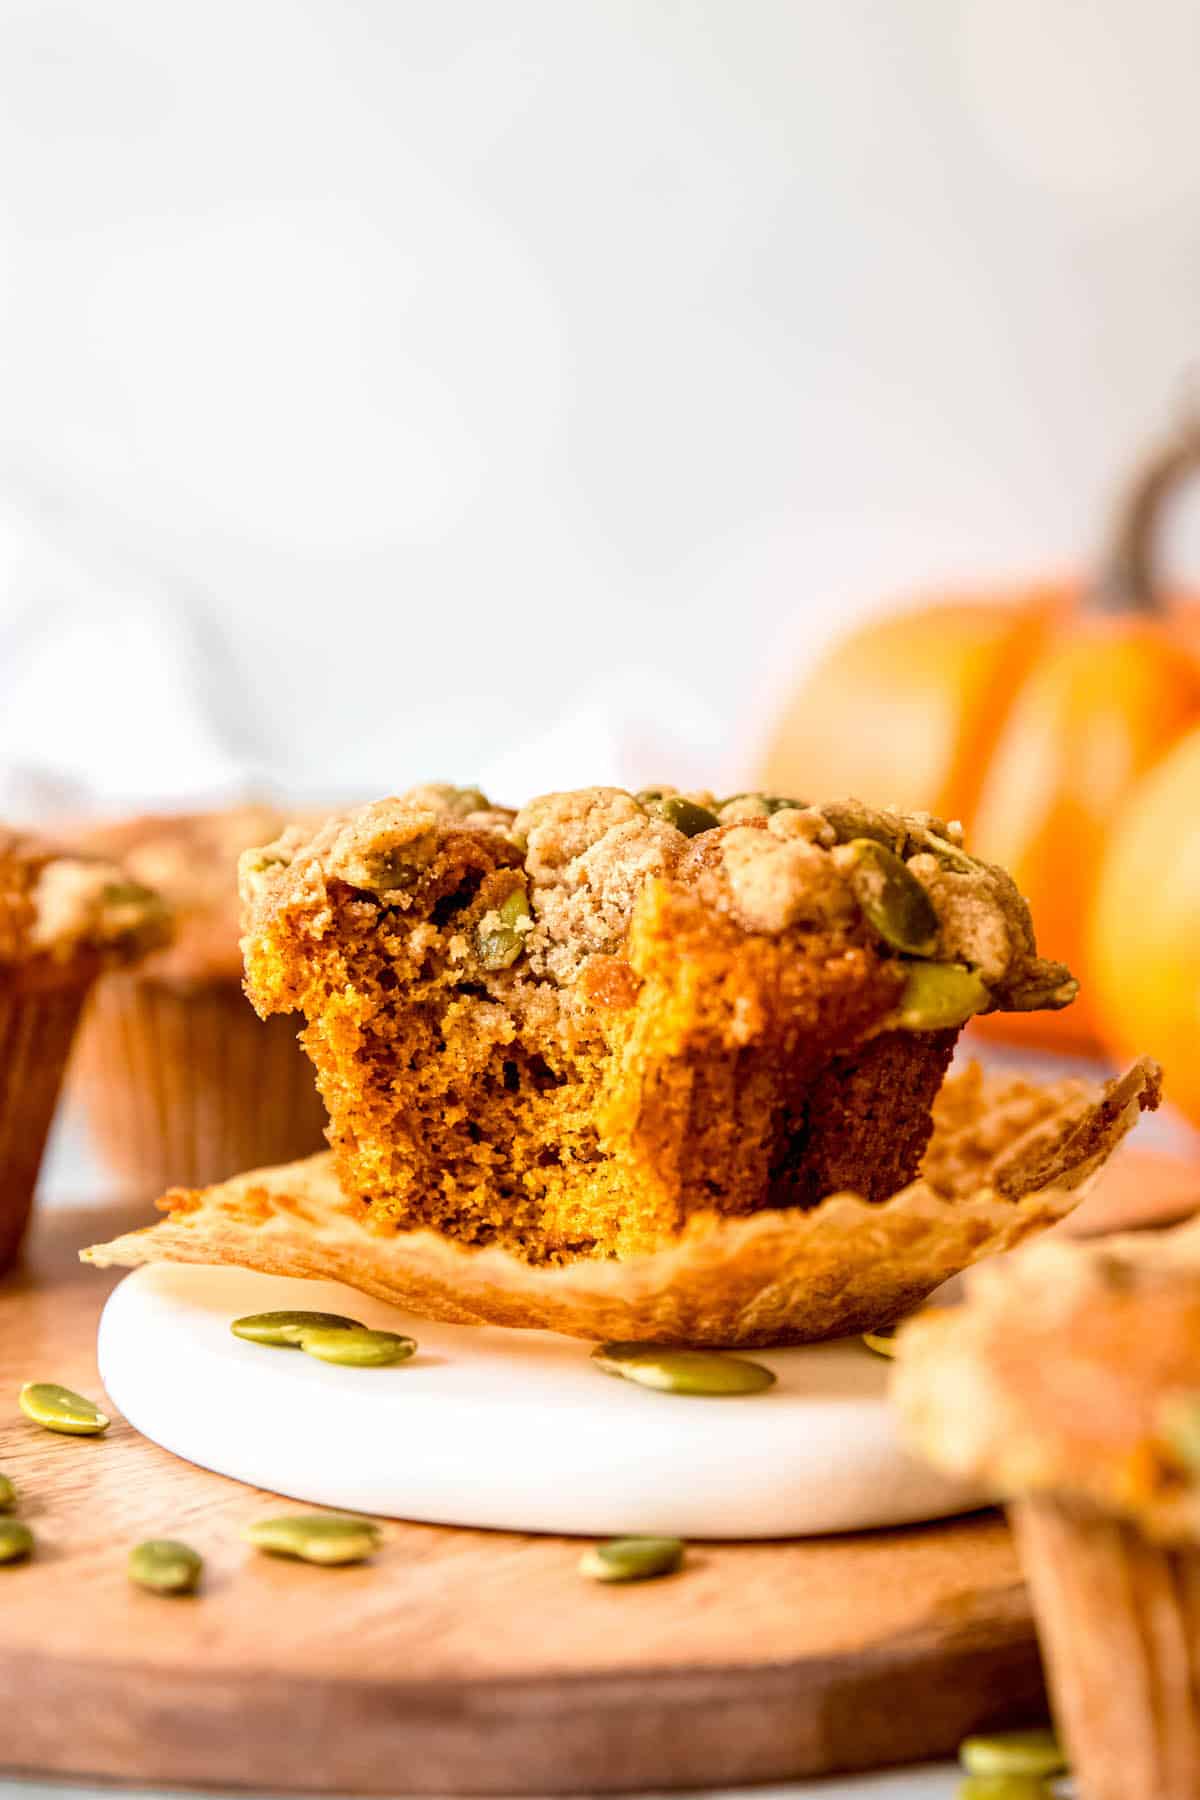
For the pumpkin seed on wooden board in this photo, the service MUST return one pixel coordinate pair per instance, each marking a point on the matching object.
(58, 1408)
(165, 1566)
(1031, 1753)
(16, 1541)
(701, 1372)
(358, 1348)
(329, 1539)
(283, 1329)
(8, 1494)
(1003, 1787)
(632, 1559)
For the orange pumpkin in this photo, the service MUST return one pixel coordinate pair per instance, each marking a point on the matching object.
(1144, 940)
(1029, 717)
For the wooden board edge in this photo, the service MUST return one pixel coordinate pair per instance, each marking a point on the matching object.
(905, 1701)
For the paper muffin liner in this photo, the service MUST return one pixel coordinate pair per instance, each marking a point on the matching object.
(184, 1084)
(1119, 1623)
(37, 1026)
(1007, 1159)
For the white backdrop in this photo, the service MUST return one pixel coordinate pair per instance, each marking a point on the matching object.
(425, 364)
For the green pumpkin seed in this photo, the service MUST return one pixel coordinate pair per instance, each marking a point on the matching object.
(883, 1341)
(1002, 1787)
(685, 815)
(632, 1559)
(165, 1566)
(705, 1372)
(59, 1409)
(282, 1329)
(16, 1541)
(766, 805)
(890, 897)
(1030, 1753)
(1179, 1428)
(358, 1348)
(500, 934)
(8, 1494)
(938, 996)
(326, 1538)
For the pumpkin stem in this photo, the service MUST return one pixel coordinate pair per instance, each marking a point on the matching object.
(1127, 580)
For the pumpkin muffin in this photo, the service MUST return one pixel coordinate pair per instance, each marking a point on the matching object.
(63, 919)
(568, 1030)
(1069, 1384)
(180, 1080)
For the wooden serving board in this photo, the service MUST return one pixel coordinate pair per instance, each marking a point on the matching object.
(465, 1661)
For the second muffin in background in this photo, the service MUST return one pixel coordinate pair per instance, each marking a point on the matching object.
(180, 1080)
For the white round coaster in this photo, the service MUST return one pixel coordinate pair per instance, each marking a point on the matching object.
(516, 1430)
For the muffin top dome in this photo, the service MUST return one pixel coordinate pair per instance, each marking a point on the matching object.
(766, 863)
(60, 908)
(1073, 1369)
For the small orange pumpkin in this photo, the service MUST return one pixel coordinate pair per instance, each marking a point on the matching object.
(1144, 940)
(1029, 717)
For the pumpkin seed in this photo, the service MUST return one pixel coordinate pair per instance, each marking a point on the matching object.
(283, 1329)
(632, 1559)
(165, 1566)
(882, 1341)
(766, 805)
(1002, 1787)
(16, 1541)
(1032, 1753)
(891, 899)
(59, 1409)
(8, 1494)
(706, 1372)
(358, 1348)
(1179, 1428)
(500, 934)
(685, 815)
(326, 1538)
(938, 996)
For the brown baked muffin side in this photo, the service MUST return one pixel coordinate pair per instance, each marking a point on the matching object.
(568, 1030)
(64, 919)
(181, 1082)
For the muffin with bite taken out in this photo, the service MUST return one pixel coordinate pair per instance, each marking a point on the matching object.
(570, 1029)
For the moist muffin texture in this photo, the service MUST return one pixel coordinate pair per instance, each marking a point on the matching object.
(571, 1028)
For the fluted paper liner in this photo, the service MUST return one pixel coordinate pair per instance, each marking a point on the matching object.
(184, 1083)
(36, 1030)
(1118, 1620)
(1007, 1159)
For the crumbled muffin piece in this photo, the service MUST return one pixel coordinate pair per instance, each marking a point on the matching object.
(1073, 1370)
(570, 1028)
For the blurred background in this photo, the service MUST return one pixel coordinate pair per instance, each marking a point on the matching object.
(532, 394)
(380, 383)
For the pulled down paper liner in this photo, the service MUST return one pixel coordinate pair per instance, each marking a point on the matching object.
(1008, 1158)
